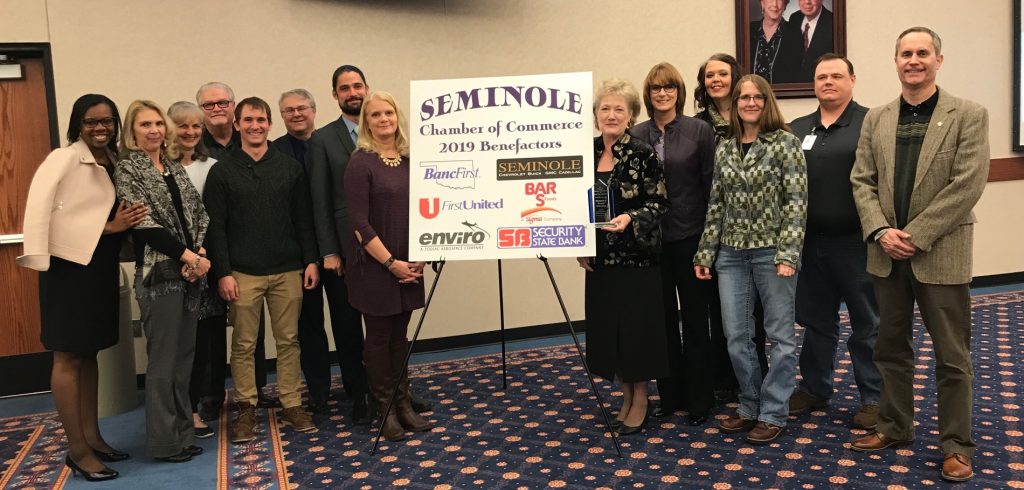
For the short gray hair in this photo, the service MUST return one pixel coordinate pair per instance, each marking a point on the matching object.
(618, 86)
(936, 41)
(209, 85)
(299, 92)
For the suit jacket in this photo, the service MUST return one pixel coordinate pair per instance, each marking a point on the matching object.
(69, 201)
(329, 151)
(821, 41)
(952, 170)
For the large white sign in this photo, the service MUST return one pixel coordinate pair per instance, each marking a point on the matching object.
(501, 167)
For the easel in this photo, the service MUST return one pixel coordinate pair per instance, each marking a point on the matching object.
(438, 267)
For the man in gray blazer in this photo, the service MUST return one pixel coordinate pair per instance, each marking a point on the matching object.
(922, 163)
(329, 151)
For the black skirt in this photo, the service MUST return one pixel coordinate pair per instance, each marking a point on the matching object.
(626, 323)
(79, 304)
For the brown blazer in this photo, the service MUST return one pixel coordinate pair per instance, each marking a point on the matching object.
(951, 174)
(68, 203)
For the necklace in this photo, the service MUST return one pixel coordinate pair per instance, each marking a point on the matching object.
(391, 162)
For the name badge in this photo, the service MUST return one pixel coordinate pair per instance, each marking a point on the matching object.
(808, 141)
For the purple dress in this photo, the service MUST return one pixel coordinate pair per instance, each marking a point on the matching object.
(378, 206)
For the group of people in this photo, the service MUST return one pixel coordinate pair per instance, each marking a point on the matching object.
(748, 225)
(221, 223)
(744, 223)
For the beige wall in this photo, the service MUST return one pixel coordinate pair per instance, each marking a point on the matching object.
(164, 51)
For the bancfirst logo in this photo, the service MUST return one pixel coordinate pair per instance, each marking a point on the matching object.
(431, 207)
(454, 174)
(542, 236)
(471, 238)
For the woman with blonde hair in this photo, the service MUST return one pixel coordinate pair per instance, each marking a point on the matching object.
(382, 284)
(753, 236)
(170, 274)
(623, 297)
(208, 364)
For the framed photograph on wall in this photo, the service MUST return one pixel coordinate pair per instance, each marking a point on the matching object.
(781, 39)
(1018, 74)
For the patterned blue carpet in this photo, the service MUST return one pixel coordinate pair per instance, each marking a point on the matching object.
(544, 431)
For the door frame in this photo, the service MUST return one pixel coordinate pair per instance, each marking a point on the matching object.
(33, 369)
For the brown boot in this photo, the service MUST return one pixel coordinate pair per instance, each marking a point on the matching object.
(407, 416)
(378, 373)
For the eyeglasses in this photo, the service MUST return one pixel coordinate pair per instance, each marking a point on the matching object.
(292, 110)
(669, 89)
(223, 104)
(756, 98)
(107, 122)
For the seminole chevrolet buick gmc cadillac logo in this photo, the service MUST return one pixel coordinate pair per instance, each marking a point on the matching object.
(540, 168)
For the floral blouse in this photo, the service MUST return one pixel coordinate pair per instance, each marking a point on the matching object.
(637, 186)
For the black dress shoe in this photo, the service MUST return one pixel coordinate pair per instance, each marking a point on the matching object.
(626, 430)
(112, 456)
(361, 409)
(615, 425)
(317, 407)
(420, 405)
(102, 475)
(181, 457)
(695, 420)
(193, 450)
(662, 413)
(203, 432)
(267, 401)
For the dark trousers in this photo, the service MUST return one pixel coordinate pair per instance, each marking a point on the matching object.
(209, 367)
(688, 386)
(946, 311)
(833, 270)
(347, 327)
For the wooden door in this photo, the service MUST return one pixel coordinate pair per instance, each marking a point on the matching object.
(25, 139)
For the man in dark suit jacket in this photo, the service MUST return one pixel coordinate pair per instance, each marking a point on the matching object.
(329, 151)
(815, 21)
(922, 163)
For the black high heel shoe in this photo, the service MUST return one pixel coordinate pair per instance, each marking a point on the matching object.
(111, 457)
(626, 430)
(102, 475)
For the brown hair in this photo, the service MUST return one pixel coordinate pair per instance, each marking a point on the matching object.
(771, 116)
(664, 74)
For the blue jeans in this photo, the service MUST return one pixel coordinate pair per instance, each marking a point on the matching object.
(742, 276)
(834, 270)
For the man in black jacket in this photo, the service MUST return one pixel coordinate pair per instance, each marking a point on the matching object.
(329, 151)
(811, 27)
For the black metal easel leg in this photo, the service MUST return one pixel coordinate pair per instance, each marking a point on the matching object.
(579, 350)
(501, 308)
(438, 267)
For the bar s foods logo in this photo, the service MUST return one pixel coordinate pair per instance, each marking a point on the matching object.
(542, 236)
(543, 193)
(471, 238)
(540, 168)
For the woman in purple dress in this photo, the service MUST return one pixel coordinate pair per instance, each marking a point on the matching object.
(382, 283)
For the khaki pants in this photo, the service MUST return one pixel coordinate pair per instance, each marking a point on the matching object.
(283, 294)
(946, 311)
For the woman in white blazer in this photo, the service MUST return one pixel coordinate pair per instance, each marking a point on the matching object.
(73, 233)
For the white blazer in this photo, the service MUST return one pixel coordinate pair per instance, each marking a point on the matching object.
(68, 204)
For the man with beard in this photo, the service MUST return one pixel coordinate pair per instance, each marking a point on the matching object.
(329, 151)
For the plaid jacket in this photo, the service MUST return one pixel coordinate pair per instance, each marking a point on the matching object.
(758, 200)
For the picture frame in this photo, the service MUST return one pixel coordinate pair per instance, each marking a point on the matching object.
(1018, 73)
(785, 61)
